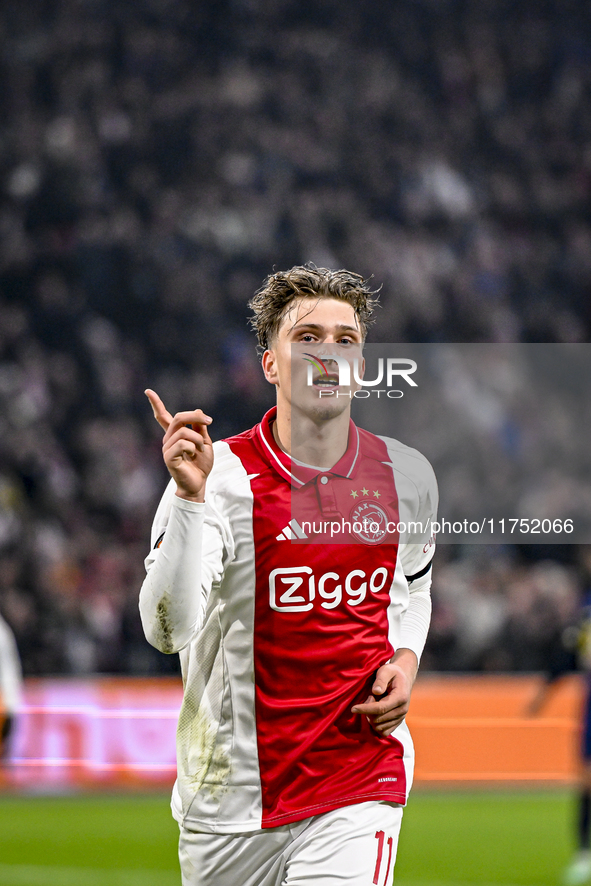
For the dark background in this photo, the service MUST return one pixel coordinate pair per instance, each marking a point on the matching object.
(158, 158)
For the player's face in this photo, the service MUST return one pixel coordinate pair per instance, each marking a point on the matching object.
(311, 331)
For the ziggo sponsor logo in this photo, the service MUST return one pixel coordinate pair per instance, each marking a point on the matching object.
(294, 588)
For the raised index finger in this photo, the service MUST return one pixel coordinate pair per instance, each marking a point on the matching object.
(161, 414)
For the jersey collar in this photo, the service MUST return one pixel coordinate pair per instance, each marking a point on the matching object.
(299, 475)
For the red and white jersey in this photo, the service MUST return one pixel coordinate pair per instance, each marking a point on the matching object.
(280, 632)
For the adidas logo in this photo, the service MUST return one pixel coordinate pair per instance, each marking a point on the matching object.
(292, 530)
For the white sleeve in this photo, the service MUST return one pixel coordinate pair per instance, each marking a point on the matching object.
(189, 549)
(10, 671)
(419, 499)
(417, 560)
(416, 619)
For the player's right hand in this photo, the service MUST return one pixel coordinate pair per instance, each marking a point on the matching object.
(186, 447)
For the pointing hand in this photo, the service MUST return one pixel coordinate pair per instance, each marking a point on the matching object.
(187, 448)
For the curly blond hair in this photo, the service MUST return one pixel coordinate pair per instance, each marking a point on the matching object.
(271, 302)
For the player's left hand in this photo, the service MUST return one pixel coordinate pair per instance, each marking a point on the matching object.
(389, 702)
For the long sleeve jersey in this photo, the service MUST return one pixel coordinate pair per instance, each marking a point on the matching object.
(281, 626)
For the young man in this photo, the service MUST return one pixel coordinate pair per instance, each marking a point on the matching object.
(298, 656)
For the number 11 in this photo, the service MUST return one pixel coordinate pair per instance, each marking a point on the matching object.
(380, 835)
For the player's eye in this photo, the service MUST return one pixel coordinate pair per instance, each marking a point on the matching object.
(307, 337)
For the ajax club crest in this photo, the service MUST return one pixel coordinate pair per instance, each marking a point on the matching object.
(369, 522)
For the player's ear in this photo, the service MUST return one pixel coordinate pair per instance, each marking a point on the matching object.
(269, 364)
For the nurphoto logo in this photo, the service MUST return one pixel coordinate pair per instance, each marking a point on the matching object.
(322, 375)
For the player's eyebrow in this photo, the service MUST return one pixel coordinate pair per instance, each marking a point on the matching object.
(318, 328)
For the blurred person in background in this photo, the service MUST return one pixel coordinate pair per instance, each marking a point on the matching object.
(572, 651)
(10, 686)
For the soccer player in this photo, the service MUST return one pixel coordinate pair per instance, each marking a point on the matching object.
(10, 685)
(298, 655)
(572, 649)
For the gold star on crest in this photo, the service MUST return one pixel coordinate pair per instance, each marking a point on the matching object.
(364, 491)
(354, 493)
(376, 493)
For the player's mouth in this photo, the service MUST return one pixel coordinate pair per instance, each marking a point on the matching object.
(326, 381)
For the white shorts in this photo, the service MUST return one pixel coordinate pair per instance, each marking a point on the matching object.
(352, 846)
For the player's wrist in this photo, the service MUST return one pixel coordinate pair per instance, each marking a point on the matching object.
(407, 662)
(198, 497)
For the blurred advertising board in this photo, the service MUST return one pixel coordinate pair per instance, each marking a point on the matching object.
(119, 733)
(103, 732)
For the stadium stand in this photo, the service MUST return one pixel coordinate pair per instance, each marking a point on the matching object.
(159, 157)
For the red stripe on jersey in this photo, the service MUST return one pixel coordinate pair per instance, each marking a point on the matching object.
(320, 633)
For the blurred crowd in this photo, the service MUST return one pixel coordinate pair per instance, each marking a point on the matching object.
(158, 158)
(499, 608)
